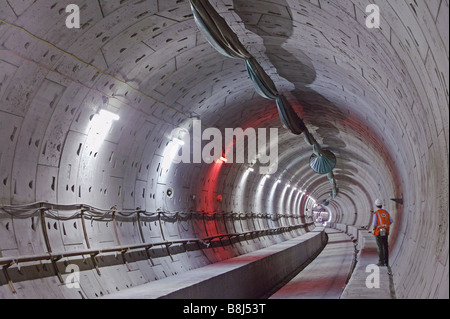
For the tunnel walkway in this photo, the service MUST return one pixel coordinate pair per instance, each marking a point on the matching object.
(327, 275)
(330, 269)
(238, 277)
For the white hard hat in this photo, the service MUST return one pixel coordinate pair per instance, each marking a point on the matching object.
(378, 203)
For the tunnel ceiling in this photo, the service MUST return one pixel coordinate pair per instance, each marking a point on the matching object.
(377, 98)
(147, 59)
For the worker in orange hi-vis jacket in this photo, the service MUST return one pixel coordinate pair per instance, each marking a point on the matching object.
(382, 221)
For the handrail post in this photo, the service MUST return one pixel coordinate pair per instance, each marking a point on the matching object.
(118, 241)
(226, 229)
(242, 228)
(86, 239)
(141, 232)
(204, 223)
(8, 279)
(164, 237)
(160, 226)
(47, 243)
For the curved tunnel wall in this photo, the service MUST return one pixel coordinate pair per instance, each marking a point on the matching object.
(377, 98)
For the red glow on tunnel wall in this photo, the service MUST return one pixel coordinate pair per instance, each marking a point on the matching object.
(212, 224)
(210, 198)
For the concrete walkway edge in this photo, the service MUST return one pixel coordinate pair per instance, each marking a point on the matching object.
(367, 281)
(249, 276)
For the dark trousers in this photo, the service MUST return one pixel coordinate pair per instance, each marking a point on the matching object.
(383, 249)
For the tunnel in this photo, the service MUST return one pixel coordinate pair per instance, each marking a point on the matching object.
(134, 149)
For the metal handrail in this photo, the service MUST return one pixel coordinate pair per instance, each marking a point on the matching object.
(9, 261)
(45, 209)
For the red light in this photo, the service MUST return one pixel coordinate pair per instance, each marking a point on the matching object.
(223, 159)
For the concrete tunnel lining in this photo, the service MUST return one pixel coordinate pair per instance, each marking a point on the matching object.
(378, 98)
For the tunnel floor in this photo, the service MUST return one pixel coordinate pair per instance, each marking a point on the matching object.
(323, 277)
(327, 275)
